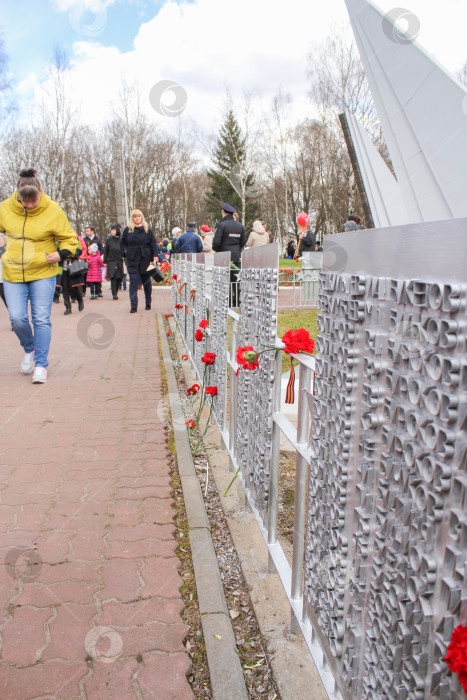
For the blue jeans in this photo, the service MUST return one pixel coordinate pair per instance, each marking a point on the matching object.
(40, 293)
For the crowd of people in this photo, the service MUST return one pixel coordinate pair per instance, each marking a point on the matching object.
(41, 257)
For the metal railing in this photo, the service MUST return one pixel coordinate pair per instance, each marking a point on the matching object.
(298, 289)
(226, 417)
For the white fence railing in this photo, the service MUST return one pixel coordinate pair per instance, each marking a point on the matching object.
(247, 407)
(378, 576)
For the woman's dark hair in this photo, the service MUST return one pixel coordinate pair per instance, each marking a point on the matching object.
(28, 187)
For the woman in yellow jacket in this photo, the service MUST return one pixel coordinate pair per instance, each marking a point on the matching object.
(34, 228)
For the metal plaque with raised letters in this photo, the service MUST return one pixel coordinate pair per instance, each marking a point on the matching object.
(258, 326)
(385, 564)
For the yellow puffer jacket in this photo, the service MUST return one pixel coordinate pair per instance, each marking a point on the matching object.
(31, 234)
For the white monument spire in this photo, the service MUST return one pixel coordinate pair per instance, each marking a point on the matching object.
(423, 112)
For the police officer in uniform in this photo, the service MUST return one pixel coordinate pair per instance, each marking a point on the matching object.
(230, 237)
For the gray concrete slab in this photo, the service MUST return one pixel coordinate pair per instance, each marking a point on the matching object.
(226, 677)
(211, 594)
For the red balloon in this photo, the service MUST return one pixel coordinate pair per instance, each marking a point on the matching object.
(302, 219)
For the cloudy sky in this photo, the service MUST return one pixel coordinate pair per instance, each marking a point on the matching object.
(205, 46)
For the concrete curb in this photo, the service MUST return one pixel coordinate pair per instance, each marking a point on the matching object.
(225, 670)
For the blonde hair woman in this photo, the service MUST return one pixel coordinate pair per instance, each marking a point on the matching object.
(139, 218)
(139, 248)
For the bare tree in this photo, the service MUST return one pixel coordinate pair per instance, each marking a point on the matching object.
(338, 81)
(8, 107)
(276, 156)
(59, 118)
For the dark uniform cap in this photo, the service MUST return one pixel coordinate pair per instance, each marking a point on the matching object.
(191, 224)
(226, 207)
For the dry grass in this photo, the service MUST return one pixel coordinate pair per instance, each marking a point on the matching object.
(285, 517)
(194, 643)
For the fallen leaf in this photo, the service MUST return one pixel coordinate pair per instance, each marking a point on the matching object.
(218, 637)
(234, 614)
(258, 663)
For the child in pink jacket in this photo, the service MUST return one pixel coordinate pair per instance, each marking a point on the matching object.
(94, 275)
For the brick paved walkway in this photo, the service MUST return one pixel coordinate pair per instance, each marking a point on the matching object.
(90, 606)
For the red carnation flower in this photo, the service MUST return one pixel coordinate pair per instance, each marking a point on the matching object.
(456, 657)
(175, 277)
(184, 357)
(199, 335)
(247, 357)
(190, 424)
(208, 358)
(298, 341)
(169, 332)
(211, 391)
(179, 306)
(192, 390)
(203, 324)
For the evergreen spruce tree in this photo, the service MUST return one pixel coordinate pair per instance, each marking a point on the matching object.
(228, 178)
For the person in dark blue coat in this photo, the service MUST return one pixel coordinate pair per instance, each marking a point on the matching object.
(189, 242)
(230, 237)
(139, 248)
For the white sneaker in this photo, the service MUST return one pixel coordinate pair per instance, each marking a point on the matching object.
(27, 364)
(39, 376)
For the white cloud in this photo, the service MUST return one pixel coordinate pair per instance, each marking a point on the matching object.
(28, 85)
(207, 46)
(254, 45)
(83, 5)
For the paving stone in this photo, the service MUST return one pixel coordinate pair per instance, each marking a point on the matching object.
(142, 532)
(87, 544)
(30, 517)
(161, 577)
(141, 548)
(158, 510)
(68, 631)
(171, 671)
(72, 571)
(153, 636)
(111, 680)
(146, 491)
(40, 595)
(25, 624)
(121, 580)
(149, 480)
(85, 508)
(54, 546)
(52, 679)
(166, 610)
